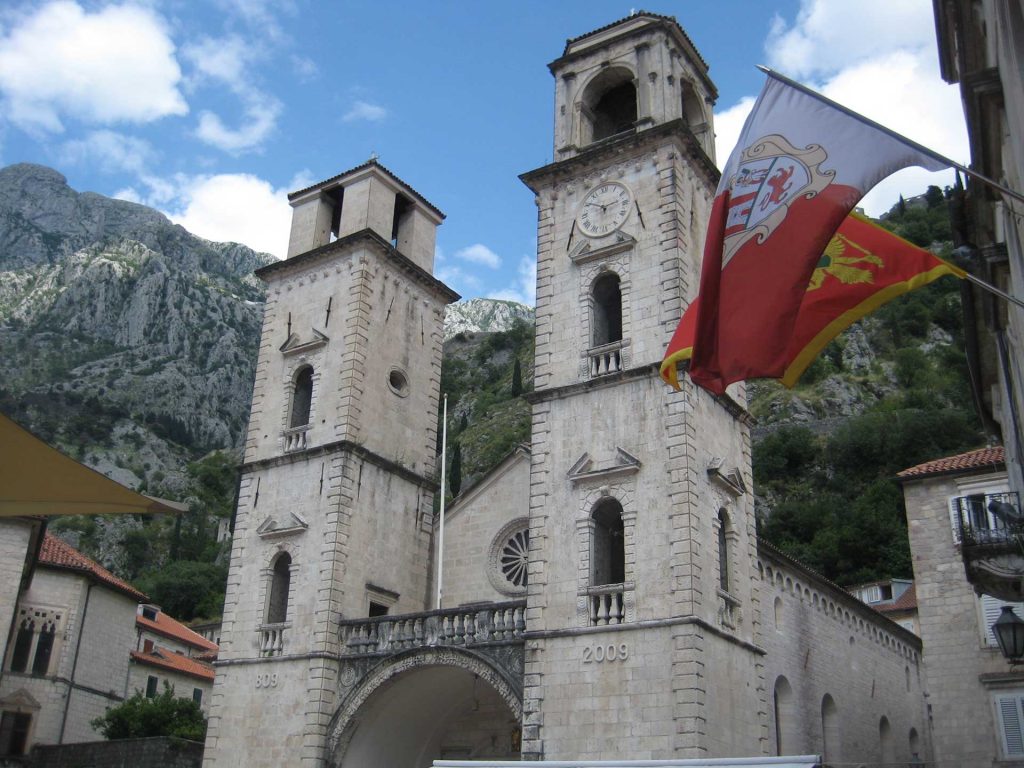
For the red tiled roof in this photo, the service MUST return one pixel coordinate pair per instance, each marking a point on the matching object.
(174, 629)
(175, 662)
(905, 602)
(982, 458)
(58, 554)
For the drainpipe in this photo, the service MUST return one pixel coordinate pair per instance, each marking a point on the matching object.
(74, 664)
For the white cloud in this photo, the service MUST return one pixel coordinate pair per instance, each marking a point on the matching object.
(304, 67)
(364, 110)
(236, 207)
(460, 280)
(220, 58)
(479, 254)
(116, 64)
(879, 59)
(526, 290)
(261, 114)
(112, 151)
(829, 35)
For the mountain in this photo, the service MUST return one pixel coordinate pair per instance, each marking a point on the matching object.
(126, 340)
(484, 316)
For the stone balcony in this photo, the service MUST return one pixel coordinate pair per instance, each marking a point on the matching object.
(990, 531)
(466, 626)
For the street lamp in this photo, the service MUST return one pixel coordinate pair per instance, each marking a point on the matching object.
(1009, 632)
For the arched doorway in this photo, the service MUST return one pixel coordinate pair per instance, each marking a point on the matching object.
(428, 705)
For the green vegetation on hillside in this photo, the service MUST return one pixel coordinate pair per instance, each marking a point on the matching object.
(832, 499)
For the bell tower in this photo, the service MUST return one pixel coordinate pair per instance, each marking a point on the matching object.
(643, 607)
(334, 517)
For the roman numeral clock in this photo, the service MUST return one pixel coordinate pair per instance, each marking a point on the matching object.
(605, 208)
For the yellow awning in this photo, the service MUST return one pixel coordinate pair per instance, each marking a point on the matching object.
(36, 479)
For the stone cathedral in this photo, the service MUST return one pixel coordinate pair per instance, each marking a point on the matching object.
(605, 594)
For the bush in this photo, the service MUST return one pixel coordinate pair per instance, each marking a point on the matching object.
(162, 715)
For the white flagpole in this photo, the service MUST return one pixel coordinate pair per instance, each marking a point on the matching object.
(899, 137)
(440, 537)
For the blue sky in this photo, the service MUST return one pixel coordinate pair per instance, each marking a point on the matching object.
(212, 111)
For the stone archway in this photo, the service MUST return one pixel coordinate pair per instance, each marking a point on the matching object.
(423, 704)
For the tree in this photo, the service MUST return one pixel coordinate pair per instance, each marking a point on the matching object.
(517, 379)
(455, 482)
(161, 715)
(186, 589)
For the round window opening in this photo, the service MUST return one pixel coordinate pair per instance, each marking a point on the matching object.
(398, 382)
(509, 558)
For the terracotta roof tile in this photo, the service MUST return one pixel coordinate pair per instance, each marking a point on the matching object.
(992, 457)
(175, 662)
(174, 629)
(58, 554)
(905, 602)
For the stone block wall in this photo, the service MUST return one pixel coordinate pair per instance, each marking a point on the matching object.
(823, 641)
(159, 752)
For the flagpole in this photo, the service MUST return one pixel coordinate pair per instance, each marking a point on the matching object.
(899, 137)
(992, 289)
(440, 538)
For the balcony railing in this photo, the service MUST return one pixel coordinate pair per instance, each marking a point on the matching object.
(295, 438)
(271, 639)
(991, 519)
(491, 623)
(605, 359)
(607, 604)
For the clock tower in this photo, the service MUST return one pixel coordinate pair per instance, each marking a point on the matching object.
(643, 597)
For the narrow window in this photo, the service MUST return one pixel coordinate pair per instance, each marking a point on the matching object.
(615, 111)
(915, 745)
(336, 198)
(778, 614)
(829, 728)
(147, 646)
(14, 728)
(607, 297)
(197, 696)
(151, 683)
(44, 649)
(303, 397)
(784, 717)
(885, 739)
(608, 558)
(723, 551)
(377, 609)
(23, 646)
(277, 610)
(403, 207)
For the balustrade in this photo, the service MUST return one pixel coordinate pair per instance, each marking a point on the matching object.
(271, 639)
(295, 438)
(496, 622)
(605, 359)
(606, 605)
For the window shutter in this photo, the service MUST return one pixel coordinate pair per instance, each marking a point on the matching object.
(1010, 722)
(990, 609)
(954, 520)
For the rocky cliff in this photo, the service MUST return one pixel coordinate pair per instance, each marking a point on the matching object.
(125, 339)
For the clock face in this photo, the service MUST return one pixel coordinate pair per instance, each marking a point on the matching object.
(604, 209)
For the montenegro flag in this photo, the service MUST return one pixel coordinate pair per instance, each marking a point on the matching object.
(863, 267)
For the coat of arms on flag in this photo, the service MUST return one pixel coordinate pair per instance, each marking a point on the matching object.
(772, 174)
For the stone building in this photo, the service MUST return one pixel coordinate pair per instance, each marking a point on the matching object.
(605, 595)
(168, 652)
(67, 661)
(975, 697)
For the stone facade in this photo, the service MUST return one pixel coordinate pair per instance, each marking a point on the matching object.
(967, 676)
(88, 666)
(604, 594)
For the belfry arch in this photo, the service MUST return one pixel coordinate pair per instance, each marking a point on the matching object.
(478, 716)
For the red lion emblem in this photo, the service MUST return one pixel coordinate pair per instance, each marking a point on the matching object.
(780, 184)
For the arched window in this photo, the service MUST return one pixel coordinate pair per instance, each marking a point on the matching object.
(302, 397)
(785, 717)
(778, 614)
(610, 104)
(723, 550)
(607, 297)
(608, 555)
(829, 728)
(915, 745)
(885, 740)
(23, 646)
(44, 649)
(280, 582)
